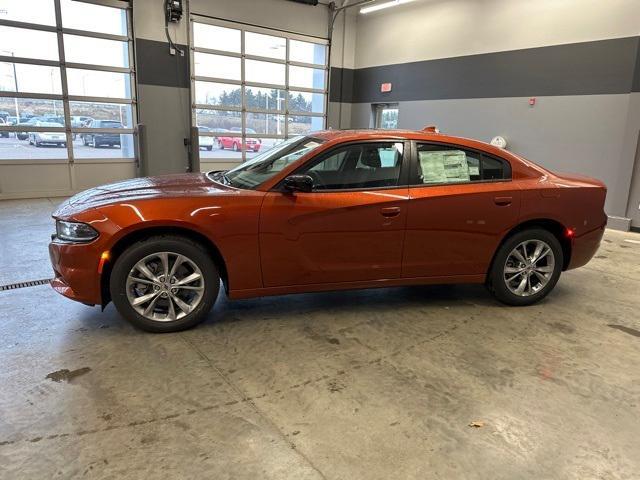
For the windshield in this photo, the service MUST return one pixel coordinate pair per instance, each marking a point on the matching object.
(264, 166)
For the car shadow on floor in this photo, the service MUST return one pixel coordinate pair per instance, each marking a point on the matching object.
(364, 302)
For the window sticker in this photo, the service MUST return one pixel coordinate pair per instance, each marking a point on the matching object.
(449, 166)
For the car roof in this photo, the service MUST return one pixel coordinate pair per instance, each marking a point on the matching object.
(428, 134)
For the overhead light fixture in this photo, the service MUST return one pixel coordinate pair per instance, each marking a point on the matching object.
(380, 6)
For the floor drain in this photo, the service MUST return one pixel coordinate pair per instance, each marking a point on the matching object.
(32, 283)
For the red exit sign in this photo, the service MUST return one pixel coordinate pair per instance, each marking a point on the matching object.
(385, 87)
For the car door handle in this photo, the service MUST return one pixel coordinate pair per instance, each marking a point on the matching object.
(503, 201)
(390, 212)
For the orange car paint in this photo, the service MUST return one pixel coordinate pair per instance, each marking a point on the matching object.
(273, 242)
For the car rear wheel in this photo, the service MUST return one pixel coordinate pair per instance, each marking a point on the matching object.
(220, 145)
(235, 147)
(164, 284)
(526, 267)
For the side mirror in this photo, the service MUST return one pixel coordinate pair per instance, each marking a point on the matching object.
(298, 183)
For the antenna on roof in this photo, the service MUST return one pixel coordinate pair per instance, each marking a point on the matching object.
(431, 129)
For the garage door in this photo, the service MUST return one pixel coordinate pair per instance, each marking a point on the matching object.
(67, 101)
(253, 87)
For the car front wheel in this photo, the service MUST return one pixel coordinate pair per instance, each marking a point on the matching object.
(526, 267)
(164, 284)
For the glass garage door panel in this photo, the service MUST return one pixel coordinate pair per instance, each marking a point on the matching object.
(96, 51)
(258, 98)
(216, 38)
(22, 77)
(22, 42)
(306, 77)
(307, 52)
(264, 123)
(220, 94)
(93, 18)
(33, 146)
(265, 72)
(219, 120)
(216, 66)
(83, 112)
(40, 12)
(265, 45)
(23, 109)
(306, 102)
(301, 125)
(103, 145)
(94, 83)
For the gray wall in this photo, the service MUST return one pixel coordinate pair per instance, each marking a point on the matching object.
(470, 67)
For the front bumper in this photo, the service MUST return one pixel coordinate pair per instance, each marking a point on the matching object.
(75, 267)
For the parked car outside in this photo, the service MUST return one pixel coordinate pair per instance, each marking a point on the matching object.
(40, 139)
(205, 141)
(12, 121)
(3, 134)
(101, 139)
(233, 140)
(27, 123)
(329, 211)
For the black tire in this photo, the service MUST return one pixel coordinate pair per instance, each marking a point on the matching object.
(496, 281)
(84, 141)
(95, 143)
(164, 243)
(220, 145)
(209, 147)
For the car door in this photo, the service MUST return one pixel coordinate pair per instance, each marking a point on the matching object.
(461, 204)
(349, 228)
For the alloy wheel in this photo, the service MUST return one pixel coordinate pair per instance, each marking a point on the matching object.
(165, 286)
(529, 268)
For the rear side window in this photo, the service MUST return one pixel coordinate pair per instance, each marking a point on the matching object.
(437, 165)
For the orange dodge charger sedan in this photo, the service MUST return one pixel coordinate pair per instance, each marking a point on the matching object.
(328, 211)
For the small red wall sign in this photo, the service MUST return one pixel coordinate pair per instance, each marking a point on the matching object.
(385, 87)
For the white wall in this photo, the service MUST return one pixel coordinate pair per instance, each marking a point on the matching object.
(430, 29)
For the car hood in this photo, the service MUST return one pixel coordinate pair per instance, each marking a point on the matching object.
(165, 186)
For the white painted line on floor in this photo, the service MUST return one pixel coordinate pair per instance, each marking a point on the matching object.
(632, 241)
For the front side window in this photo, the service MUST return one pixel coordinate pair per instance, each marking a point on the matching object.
(368, 165)
(439, 164)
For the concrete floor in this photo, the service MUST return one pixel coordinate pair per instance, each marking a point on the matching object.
(356, 385)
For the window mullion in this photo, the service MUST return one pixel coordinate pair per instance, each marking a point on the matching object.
(286, 90)
(63, 81)
(243, 115)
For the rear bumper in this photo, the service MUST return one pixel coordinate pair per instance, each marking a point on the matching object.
(584, 247)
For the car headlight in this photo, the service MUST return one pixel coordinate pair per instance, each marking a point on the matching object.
(75, 231)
